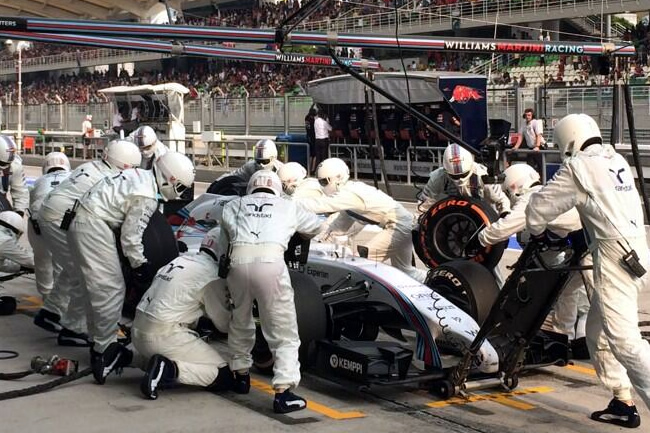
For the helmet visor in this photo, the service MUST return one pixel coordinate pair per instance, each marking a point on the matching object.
(324, 181)
(180, 188)
(459, 176)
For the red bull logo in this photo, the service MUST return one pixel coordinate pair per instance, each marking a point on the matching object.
(464, 94)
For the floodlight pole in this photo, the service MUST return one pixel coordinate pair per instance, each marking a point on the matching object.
(19, 131)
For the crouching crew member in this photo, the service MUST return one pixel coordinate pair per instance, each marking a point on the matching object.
(175, 301)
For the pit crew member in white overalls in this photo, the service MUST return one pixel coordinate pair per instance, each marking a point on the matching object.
(56, 168)
(173, 303)
(117, 156)
(599, 183)
(127, 201)
(256, 230)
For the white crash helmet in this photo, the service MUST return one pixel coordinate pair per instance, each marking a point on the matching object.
(265, 153)
(145, 138)
(519, 178)
(122, 154)
(575, 131)
(209, 244)
(174, 174)
(55, 160)
(458, 163)
(332, 173)
(12, 221)
(7, 151)
(89, 117)
(291, 174)
(264, 181)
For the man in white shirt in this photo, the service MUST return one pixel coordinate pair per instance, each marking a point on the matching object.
(322, 130)
(532, 132)
(87, 133)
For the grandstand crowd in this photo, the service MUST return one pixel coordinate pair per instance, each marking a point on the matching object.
(233, 79)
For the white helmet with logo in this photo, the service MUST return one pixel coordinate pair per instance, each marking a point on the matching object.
(265, 153)
(458, 163)
(122, 154)
(264, 181)
(89, 117)
(174, 174)
(290, 175)
(145, 138)
(519, 178)
(575, 131)
(54, 161)
(7, 150)
(209, 244)
(12, 221)
(332, 173)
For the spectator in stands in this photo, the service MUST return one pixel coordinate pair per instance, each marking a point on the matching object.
(522, 80)
(531, 132)
(322, 133)
(86, 133)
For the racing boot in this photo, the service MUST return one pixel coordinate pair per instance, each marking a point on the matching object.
(160, 371)
(224, 381)
(242, 383)
(48, 320)
(285, 402)
(70, 338)
(115, 357)
(618, 413)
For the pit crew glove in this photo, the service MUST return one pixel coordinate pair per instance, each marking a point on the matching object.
(141, 274)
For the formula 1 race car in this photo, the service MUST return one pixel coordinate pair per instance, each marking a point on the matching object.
(343, 300)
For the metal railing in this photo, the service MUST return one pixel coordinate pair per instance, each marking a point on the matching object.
(479, 12)
(276, 116)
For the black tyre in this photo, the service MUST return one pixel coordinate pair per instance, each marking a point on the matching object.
(468, 285)
(160, 248)
(442, 389)
(446, 228)
(229, 185)
(312, 322)
(4, 203)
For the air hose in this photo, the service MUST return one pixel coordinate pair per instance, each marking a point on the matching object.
(37, 389)
(53, 365)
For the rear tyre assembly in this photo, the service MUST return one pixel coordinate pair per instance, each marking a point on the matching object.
(446, 228)
(468, 285)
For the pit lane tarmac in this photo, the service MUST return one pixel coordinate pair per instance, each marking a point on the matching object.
(557, 399)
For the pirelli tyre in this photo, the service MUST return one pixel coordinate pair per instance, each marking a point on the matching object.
(160, 248)
(312, 323)
(468, 285)
(445, 229)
